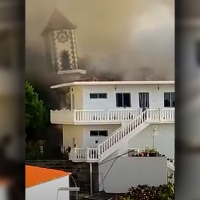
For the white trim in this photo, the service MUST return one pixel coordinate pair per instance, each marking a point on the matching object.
(93, 83)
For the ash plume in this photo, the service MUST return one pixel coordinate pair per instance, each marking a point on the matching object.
(150, 53)
(136, 43)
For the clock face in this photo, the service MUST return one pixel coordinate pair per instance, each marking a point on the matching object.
(62, 37)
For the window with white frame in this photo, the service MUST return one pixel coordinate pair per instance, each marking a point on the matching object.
(123, 99)
(98, 95)
(98, 133)
(169, 99)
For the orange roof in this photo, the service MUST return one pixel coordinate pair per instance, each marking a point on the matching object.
(38, 175)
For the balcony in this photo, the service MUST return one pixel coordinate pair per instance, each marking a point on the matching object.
(111, 116)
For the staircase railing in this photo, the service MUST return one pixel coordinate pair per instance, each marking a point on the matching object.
(121, 132)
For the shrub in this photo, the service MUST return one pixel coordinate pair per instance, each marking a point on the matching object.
(145, 192)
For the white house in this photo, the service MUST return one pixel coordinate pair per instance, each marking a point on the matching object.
(42, 183)
(104, 120)
(107, 116)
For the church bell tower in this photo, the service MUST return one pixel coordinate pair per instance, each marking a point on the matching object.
(60, 44)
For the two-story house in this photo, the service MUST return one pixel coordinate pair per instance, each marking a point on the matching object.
(104, 117)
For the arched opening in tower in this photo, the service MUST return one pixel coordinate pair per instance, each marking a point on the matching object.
(65, 60)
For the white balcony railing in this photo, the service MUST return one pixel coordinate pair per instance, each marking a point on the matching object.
(110, 116)
(92, 116)
(161, 115)
(84, 154)
(106, 115)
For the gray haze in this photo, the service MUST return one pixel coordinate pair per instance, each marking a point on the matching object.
(129, 39)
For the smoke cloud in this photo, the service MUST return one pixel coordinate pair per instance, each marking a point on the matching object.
(129, 40)
(150, 52)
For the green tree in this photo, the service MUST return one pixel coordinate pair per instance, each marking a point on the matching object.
(36, 114)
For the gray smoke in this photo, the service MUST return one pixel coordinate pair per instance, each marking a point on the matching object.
(136, 43)
(150, 54)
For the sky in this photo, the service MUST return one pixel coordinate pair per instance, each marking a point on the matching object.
(123, 35)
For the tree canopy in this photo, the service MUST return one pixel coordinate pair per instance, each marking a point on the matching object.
(36, 113)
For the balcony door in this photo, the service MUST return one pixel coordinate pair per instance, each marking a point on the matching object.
(144, 100)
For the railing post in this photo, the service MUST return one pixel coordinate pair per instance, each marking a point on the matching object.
(74, 115)
(87, 154)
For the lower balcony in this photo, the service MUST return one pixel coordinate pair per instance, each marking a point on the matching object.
(163, 115)
(84, 155)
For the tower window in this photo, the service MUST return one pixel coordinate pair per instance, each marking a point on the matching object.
(65, 60)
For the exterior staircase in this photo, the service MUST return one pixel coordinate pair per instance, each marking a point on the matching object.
(122, 135)
(113, 142)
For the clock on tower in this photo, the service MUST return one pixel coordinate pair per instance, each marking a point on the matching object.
(60, 44)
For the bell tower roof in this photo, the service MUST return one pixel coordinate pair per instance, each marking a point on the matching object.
(58, 21)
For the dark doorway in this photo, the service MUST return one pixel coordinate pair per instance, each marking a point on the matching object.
(65, 60)
(144, 100)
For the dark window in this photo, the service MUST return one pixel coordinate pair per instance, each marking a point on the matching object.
(102, 96)
(98, 95)
(93, 133)
(123, 100)
(103, 133)
(144, 100)
(169, 99)
(198, 52)
(93, 96)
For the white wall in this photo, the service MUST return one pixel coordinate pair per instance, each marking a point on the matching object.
(132, 171)
(48, 190)
(82, 134)
(70, 132)
(164, 140)
(90, 141)
(156, 96)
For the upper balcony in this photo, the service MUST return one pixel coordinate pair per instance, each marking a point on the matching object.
(111, 116)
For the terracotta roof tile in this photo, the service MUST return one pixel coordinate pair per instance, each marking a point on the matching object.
(38, 175)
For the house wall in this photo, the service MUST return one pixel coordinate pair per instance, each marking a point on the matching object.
(89, 141)
(132, 171)
(164, 139)
(78, 97)
(156, 95)
(48, 190)
(70, 132)
(82, 134)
